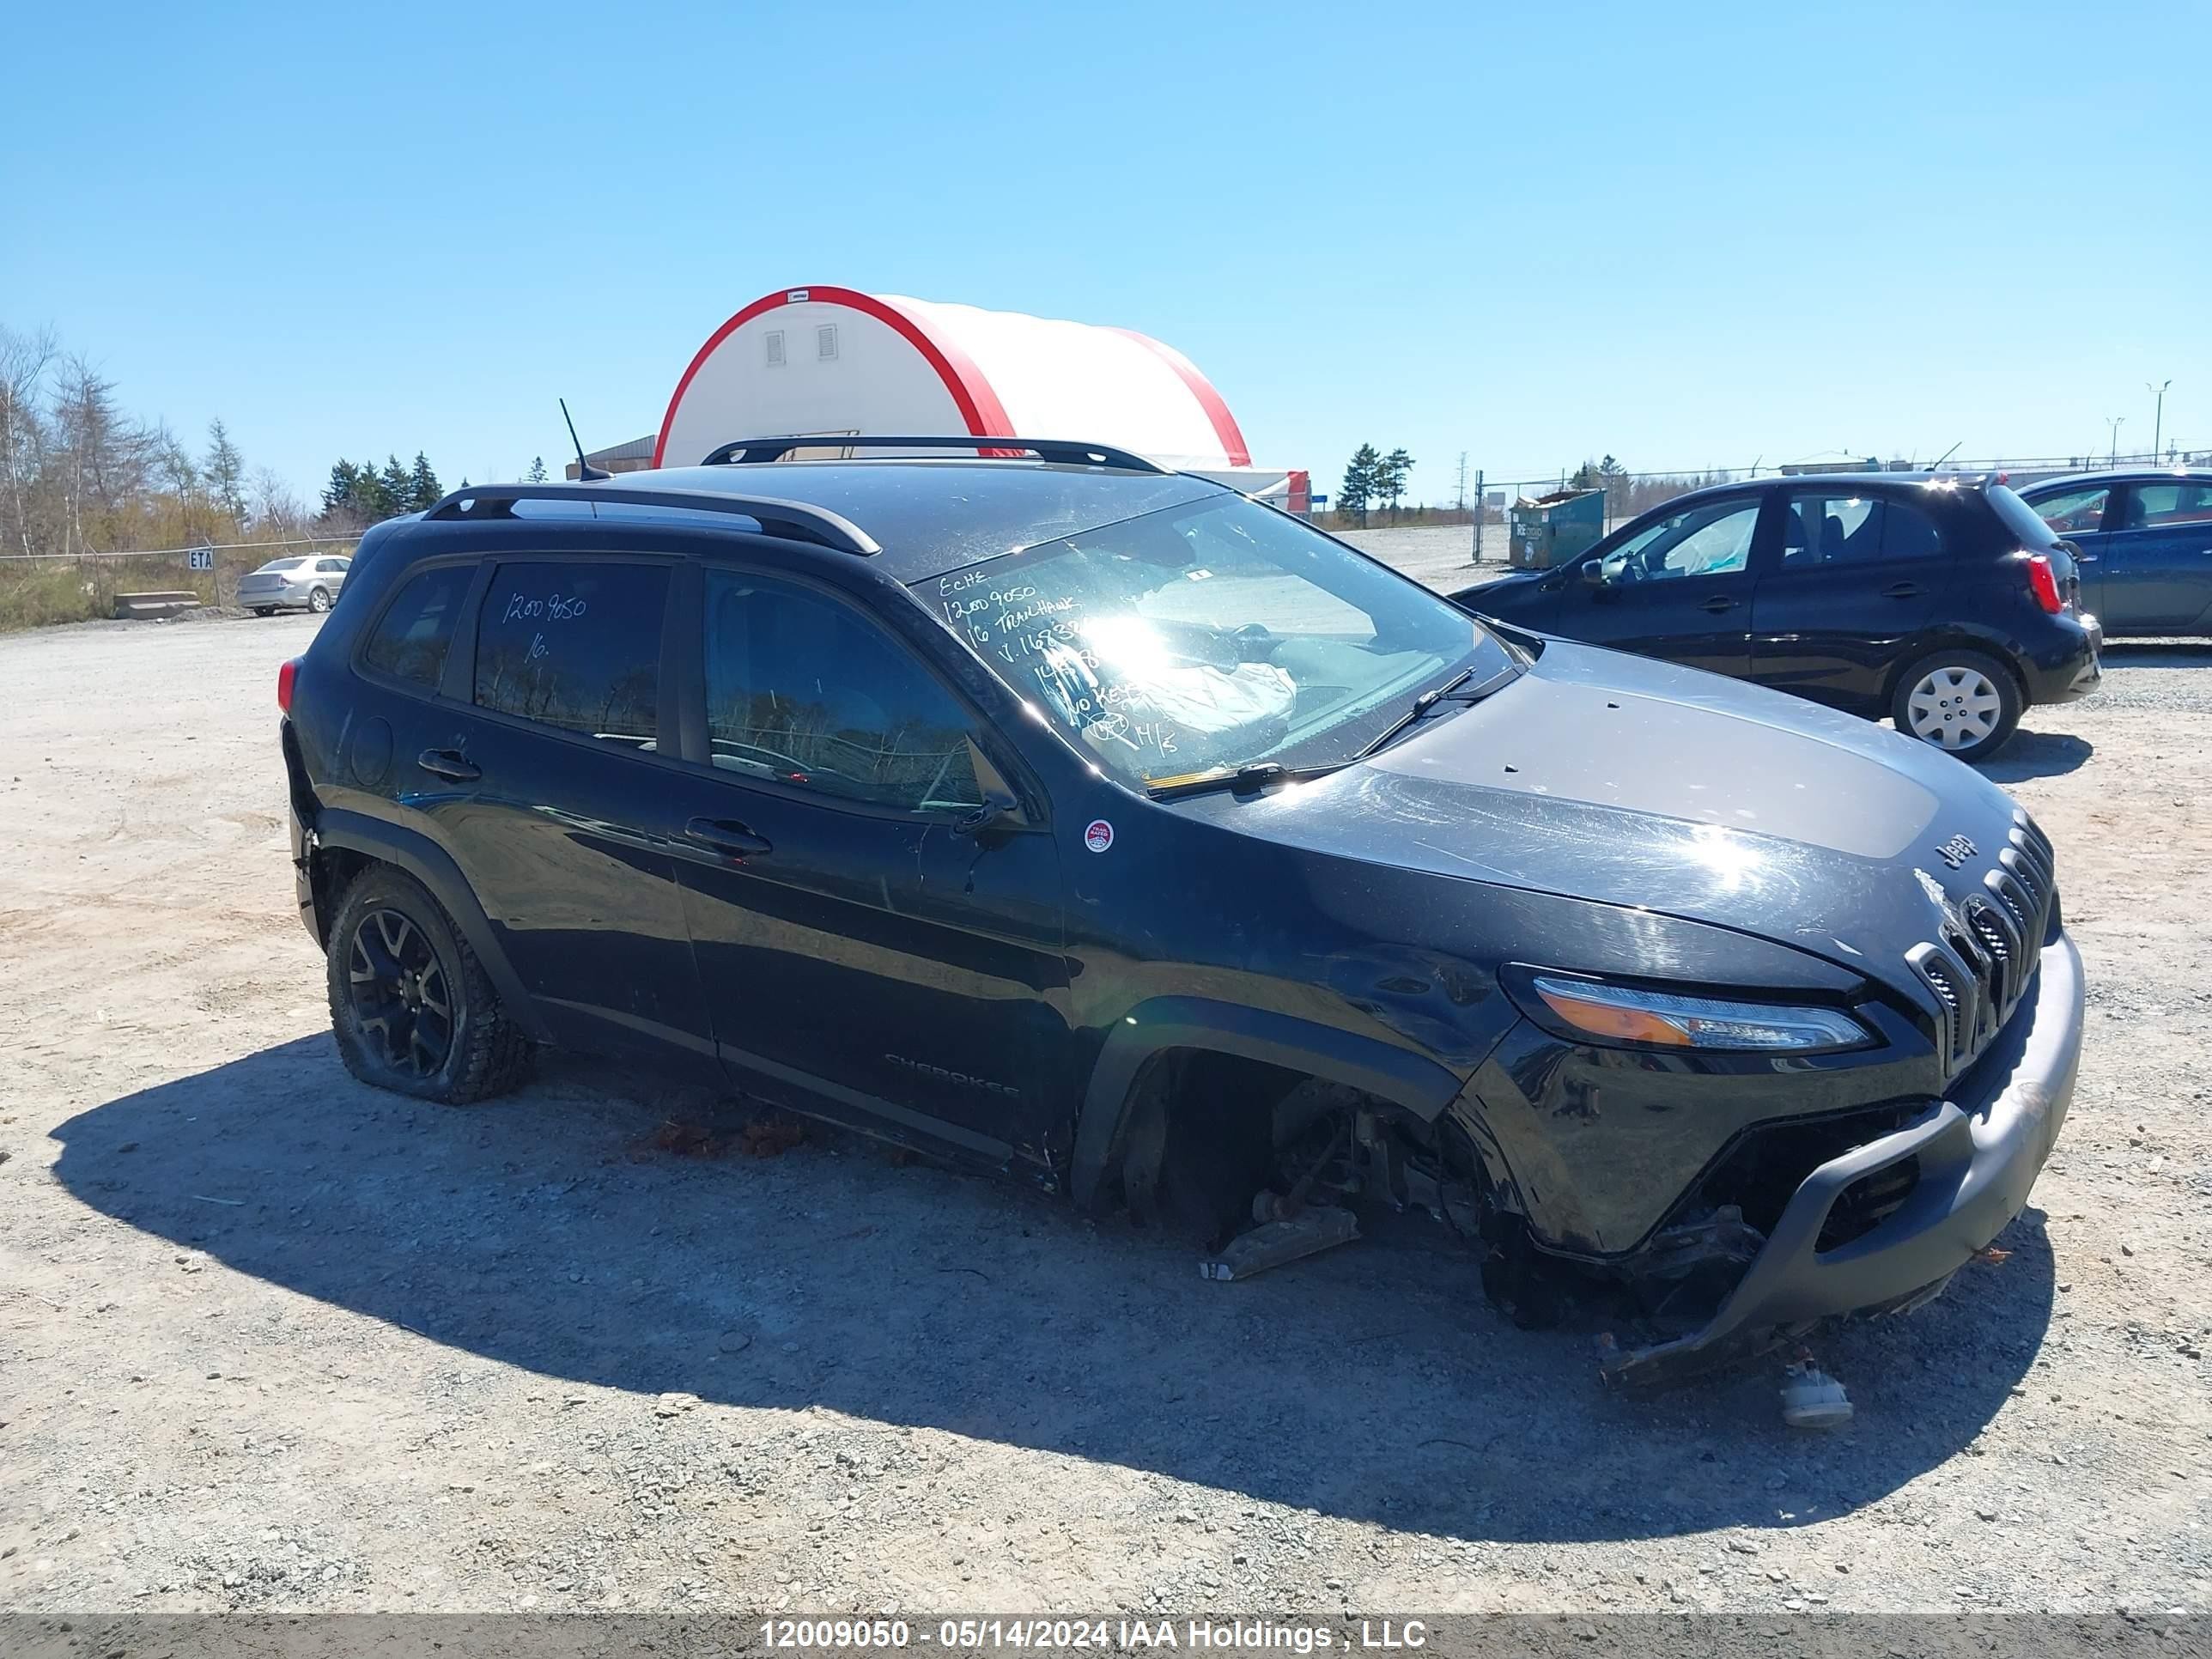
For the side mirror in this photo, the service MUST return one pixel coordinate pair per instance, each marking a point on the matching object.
(1593, 573)
(1000, 811)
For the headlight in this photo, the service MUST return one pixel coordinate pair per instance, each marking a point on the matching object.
(1615, 1013)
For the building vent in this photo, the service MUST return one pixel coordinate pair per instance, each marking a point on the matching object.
(775, 348)
(825, 342)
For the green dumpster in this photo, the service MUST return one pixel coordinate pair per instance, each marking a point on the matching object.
(1549, 530)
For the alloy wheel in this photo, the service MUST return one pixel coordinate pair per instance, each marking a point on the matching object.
(401, 1001)
(1954, 707)
(318, 601)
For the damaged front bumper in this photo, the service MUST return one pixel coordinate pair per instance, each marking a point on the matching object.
(1978, 1154)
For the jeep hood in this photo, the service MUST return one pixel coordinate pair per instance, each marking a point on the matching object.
(1604, 776)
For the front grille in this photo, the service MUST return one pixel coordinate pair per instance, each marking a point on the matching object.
(1983, 959)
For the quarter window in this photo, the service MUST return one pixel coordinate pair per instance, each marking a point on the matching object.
(411, 638)
(2075, 512)
(804, 691)
(574, 646)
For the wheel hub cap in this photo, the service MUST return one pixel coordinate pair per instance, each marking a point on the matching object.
(1954, 707)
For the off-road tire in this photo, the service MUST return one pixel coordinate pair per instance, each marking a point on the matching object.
(1976, 668)
(485, 1053)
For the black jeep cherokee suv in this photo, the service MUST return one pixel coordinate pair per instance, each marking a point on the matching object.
(1059, 815)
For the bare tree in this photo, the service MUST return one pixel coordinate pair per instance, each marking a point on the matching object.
(25, 363)
(277, 512)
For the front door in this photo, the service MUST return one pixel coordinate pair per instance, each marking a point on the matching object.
(868, 950)
(1855, 579)
(2157, 563)
(1680, 589)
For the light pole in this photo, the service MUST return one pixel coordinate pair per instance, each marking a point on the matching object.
(2158, 421)
(2115, 421)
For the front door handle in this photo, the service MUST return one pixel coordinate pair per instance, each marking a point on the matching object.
(450, 764)
(1719, 603)
(1901, 591)
(727, 837)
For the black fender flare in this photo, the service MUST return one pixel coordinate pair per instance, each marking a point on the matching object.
(432, 865)
(1421, 1085)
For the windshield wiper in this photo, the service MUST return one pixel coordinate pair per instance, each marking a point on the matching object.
(1429, 699)
(1248, 778)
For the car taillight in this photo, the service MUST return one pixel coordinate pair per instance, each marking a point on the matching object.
(2043, 583)
(285, 676)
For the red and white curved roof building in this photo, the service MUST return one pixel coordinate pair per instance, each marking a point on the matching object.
(833, 360)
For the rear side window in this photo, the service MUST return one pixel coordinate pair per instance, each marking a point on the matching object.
(410, 639)
(574, 646)
(1829, 530)
(806, 692)
(2155, 506)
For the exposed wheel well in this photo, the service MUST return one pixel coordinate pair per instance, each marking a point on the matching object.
(1206, 1133)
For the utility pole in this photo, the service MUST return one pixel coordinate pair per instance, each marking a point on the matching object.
(2115, 421)
(1462, 481)
(2158, 420)
(1480, 498)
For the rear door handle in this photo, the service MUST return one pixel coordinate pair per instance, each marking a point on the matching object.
(449, 763)
(1901, 591)
(1718, 604)
(727, 837)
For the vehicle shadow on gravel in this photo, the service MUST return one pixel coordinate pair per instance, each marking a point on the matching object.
(2037, 755)
(551, 1232)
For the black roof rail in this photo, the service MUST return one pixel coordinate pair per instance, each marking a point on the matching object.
(792, 520)
(1065, 451)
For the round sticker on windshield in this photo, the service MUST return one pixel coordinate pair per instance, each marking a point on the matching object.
(1098, 836)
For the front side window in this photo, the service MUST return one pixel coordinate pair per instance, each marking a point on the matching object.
(2077, 512)
(575, 645)
(1214, 634)
(2154, 507)
(804, 691)
(410, 639)
(1711, 539)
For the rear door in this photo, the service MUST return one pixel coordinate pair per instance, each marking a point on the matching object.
(2156, 557)
(1680, 588)
(539, 768)
(864, 955)
(1855, 578)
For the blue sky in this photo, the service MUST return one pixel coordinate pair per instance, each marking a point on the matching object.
(1686, 235)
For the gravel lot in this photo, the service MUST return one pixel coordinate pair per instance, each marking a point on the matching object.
(270, 1340)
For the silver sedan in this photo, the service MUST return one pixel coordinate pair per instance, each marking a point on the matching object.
(302, 584)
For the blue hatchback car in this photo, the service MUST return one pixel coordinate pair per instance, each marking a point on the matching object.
(2146, 546)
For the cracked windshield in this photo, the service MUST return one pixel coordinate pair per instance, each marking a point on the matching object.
(1200, 639)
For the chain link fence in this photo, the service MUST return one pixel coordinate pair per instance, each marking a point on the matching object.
(37, 588)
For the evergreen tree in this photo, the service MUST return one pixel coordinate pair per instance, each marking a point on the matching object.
(1358, 488)
(397, 488)
(422, 489)
(1390, 477)
(537, 473)
(342, 495)
(225, 469)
